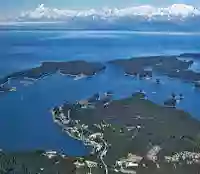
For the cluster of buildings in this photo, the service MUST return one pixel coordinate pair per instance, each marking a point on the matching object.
(50, 154)
(102, 125)
(92, 141)
(73, 132)
(153, 152)
(86, 163)
(188, 157)
(63, 119)
(78, 163)
(129, 164)
(89, 164)
(81, 132)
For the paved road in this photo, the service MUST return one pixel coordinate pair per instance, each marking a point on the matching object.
(103, 153)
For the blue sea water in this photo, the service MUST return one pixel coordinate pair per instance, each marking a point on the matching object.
(25, 119)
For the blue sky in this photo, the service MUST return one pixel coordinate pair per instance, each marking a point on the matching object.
(12, 7)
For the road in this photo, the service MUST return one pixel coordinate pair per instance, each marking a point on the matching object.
(103, 153)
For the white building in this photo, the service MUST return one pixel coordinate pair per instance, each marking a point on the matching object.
(78, 164)
(95, 135)
(50, 154)
(91, 164)
(152, 153)
(131, 164)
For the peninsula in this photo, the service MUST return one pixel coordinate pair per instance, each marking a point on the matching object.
(132, 135)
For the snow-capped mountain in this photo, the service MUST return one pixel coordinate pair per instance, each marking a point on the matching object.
(177, 17)
(145, 11)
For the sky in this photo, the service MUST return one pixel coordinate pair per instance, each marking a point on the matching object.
(14, 7)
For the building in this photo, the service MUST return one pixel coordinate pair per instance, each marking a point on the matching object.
(134, 158)
(95, 135)
(131, 164)
(79, 164)
(83, 103)
(152, 153)
(50, 154)
(91, 164)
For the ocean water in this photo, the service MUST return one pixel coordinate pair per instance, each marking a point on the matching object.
(25, 119)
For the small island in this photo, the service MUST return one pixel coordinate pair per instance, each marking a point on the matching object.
(142, 67)
(171, 66)
(75, 69)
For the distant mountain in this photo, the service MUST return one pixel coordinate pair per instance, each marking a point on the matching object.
(177, 17)
(176, 11)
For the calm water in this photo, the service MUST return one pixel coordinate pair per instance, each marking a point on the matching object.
(26, 122)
